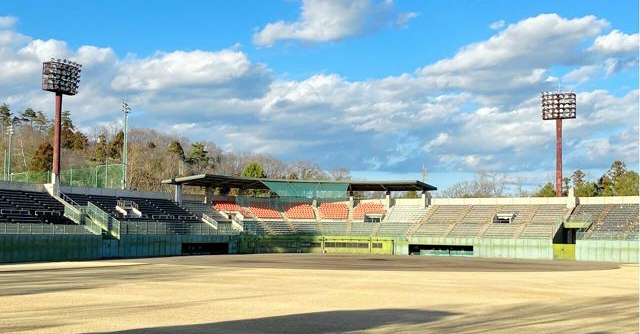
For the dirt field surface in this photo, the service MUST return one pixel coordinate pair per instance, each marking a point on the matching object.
(318, 294)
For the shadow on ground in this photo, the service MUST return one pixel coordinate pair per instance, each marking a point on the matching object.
(309, 323)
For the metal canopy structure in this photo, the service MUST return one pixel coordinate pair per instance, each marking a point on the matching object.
(221, 181)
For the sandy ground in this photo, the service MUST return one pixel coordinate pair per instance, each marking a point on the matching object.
(318, 294)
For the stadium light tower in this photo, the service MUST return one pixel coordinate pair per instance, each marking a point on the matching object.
(126, 110)
(558, 106)
(60, 76)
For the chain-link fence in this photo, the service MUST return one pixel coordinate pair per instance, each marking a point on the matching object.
(101, 176)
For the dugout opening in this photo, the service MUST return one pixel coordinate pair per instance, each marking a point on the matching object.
(441, 250)
(209, 248)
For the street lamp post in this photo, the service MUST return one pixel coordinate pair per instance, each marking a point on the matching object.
(60, 76)
(126, 110)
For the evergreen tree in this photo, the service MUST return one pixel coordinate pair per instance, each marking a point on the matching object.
(42, 158)
(176, 148)
(101, 149)
(198, 155)
(115, 146)
(5, 115)
(548, 190)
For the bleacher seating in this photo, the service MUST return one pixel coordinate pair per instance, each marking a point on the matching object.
(431, 230)
(405, 213)
(230, 206)
(263, 210)
(618, 222)
(499, 230)
(446, 214)
(367, 208)
(362, 228)
(394, 229)
(333, 211)
(306, 227)
(334, 228)
(466, 230)
(299, 211)
(18, 206)
(480, 214)
(278, 227)
(152, 209)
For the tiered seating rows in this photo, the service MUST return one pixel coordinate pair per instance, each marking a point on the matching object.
(333, 211)
(365, 208)
(299, 211)
(31, 207)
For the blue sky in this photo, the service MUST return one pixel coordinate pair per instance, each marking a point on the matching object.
(380, 87)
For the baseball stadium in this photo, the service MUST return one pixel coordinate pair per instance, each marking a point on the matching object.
(100, 237)
(305, 256)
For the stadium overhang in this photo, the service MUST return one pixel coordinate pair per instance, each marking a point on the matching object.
(222, 181)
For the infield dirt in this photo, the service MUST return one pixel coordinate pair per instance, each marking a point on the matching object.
(305, 293)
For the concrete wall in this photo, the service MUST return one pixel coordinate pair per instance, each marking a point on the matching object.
(609, 200)
(514, 248)
(23, 186)
(499, 201)
(608, 250)
(495, 248)
(48, 247)
(114, 192)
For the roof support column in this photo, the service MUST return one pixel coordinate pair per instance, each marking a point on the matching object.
(178, 194)
(387, 200)
(426, 201)
(208, 195)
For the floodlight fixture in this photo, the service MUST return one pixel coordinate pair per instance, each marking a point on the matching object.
(558, 106)
(62, 77)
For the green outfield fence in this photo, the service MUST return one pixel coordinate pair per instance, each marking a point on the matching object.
(101, 176)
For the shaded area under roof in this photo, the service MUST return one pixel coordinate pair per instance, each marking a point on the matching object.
(222, 181)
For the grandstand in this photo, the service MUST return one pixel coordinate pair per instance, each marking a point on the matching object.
(303, 216)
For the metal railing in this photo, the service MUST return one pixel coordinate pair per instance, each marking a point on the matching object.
(106, 222)
(159, 228)
(210, 221)
(26, 228)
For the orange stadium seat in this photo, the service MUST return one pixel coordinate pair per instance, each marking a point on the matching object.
(367, 208)
(333, 211)
(299, 211)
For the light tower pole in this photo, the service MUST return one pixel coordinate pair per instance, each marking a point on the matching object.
(10, 128)
(126, 110)
(558, 106)
(60, 76)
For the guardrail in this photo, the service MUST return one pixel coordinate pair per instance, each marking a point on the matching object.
(237, 223)
(159, 228)
(26, 228)
(210, 221)
(106, 222)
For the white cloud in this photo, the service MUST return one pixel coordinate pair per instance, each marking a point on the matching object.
(7, 22)
(180, 68)
(329, 20)
(616, 43)
(496, 25)
(478, 109)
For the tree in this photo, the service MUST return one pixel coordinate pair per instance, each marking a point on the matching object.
(101, 149)
(41, 122)
(5, 115)
(254, 170)
(176, 148)
(548, 190)
(618, 181)
(42, 158)
(485, 184)
(116, 145)
(29, 115)
(340, 174)
(198, 155)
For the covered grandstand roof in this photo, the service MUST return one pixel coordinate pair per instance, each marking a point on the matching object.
(210, 180)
